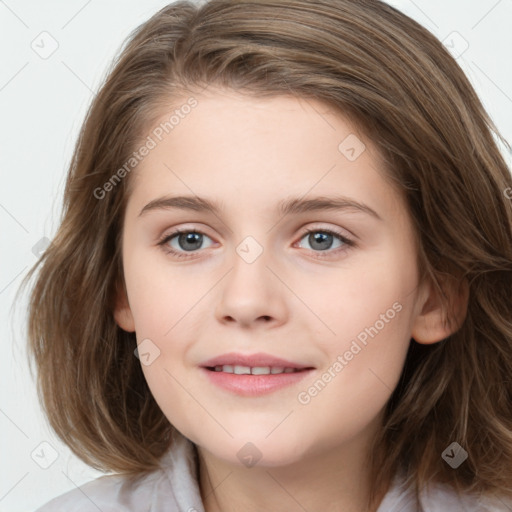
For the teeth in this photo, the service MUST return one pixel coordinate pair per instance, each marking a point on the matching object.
(260, 370)
(242, 370)
(255, 370)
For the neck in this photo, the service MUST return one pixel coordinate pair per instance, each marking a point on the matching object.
(332, 481)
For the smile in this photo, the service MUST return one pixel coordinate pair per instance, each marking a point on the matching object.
(255, 370)
(252, 375)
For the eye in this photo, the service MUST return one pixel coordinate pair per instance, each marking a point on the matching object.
(181, 242)
(322, 240)
(185, 243)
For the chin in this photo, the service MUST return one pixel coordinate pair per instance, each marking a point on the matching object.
(257, 450)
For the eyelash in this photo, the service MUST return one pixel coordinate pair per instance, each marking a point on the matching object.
(321, 254)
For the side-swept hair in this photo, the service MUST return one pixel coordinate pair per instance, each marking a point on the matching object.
(404, 90)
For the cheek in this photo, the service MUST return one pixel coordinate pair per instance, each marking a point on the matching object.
(366, 293)
(369, 312)
(174, 394)
(160, 297)
(164, 305)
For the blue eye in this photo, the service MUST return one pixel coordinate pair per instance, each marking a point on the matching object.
(185, 243)
(321, 240)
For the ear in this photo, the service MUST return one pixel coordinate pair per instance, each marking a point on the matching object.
(122, 312)
(438, 319)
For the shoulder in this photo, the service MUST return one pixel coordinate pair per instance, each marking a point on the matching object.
(170, 489)
(436, 497)
(441, 497)
(107, 493)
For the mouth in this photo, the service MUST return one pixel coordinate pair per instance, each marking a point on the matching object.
(253, 375)
(254, 370)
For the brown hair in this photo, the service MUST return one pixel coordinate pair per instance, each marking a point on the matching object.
(397, 81)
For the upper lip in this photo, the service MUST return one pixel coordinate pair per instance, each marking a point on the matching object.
(252, 360)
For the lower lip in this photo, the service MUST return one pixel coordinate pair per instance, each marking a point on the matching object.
(254, 385)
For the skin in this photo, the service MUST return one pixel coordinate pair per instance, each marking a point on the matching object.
(249, 154)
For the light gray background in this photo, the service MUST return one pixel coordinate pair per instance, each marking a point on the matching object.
(43, 102)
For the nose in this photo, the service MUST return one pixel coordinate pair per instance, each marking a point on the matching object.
(252, 294)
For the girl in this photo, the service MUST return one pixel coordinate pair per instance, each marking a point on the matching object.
(338, 334)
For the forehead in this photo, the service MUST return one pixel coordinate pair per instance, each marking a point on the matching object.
(233, 147)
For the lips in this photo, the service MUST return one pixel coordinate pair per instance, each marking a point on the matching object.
(253, 375)
(255, 370)
(232, 361)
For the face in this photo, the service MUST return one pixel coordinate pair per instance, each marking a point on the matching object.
(332, 291)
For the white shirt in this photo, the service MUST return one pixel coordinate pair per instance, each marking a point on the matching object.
(174, 488)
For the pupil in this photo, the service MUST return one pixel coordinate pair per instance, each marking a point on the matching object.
(324, 240)
(190, 238)
(321, 241)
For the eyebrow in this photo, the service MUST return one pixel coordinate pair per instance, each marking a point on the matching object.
(285, 207)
